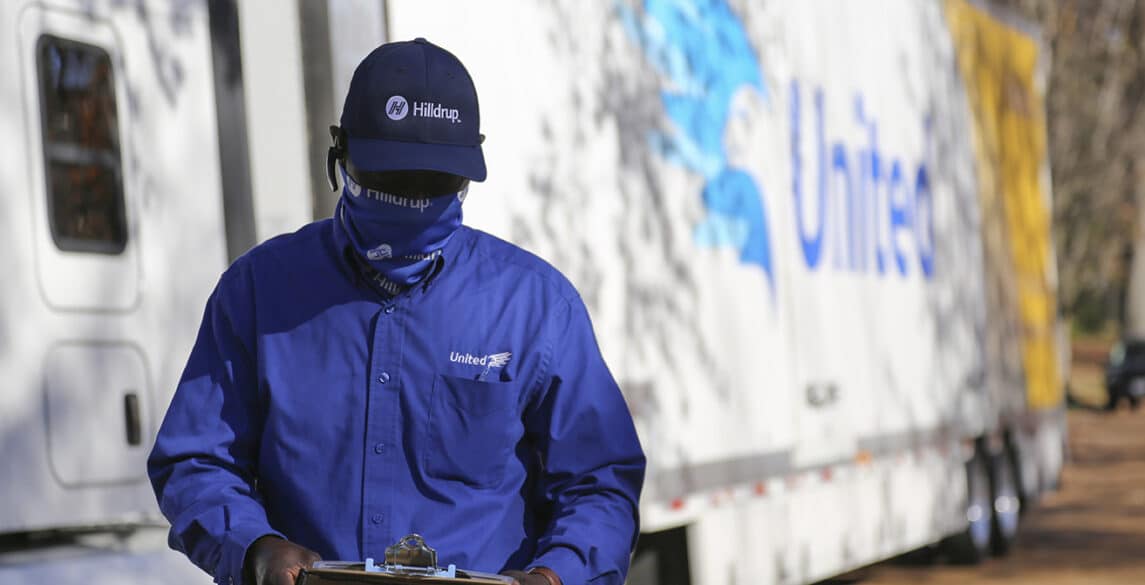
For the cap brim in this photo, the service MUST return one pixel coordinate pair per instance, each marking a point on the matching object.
(371, 156)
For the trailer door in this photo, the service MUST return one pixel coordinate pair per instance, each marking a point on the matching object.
(86, 246)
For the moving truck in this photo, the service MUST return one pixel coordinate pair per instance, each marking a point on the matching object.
(814, 237)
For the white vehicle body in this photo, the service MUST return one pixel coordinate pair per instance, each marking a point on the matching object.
(785, 217)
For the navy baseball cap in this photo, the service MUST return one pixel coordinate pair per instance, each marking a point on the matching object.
(412, 106)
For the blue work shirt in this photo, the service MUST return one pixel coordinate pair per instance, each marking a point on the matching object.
(474, 409)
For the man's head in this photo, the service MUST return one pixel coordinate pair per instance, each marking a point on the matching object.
(411, 121)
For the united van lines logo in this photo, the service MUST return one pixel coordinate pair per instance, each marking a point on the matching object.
(397, 107)
(382, 252)
(493, 360)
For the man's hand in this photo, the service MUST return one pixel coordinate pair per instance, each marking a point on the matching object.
(536, 578)
(271, 560)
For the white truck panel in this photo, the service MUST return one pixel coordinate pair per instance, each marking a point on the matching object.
(276, 116)
(64, 311)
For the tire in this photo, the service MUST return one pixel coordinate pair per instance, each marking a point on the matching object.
(1007, 506)
(1052, 480)
(1027, 471)
(972, 545)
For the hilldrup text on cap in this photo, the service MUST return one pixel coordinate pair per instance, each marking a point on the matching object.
(432, 110)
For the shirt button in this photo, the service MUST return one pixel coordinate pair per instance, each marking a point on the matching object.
(376, 518)
(385, 377)
(379, 448)
(389, 309)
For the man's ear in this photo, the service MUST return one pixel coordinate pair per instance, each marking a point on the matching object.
(336, 153)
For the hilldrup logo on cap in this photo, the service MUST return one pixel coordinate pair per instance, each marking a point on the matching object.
(397, 107)
(432, 110)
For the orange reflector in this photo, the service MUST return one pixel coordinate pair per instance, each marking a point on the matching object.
(677, 504)
(863, 458)
(760, 488)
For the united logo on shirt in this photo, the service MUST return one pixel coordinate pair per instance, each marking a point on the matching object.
(493, 360)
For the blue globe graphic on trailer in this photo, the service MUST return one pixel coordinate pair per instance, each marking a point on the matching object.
(702, 48)
(736, 218)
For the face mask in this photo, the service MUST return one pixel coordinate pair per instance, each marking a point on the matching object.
(397, 236)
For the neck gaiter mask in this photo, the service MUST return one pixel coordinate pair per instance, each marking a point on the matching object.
(399, 237)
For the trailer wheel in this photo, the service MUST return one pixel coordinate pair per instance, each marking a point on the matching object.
(1007, 503)
(972, 545)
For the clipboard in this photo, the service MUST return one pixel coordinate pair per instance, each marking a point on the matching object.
(362, 577)
(408, 561)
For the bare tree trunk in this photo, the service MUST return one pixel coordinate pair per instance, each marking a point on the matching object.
(1135, 295)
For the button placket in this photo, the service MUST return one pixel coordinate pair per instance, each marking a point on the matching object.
(389, 444)
(380, 424)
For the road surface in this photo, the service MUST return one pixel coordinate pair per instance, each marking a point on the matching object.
(1092, 531)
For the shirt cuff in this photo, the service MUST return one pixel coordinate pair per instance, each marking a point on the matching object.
(235, 545)
(565, 562)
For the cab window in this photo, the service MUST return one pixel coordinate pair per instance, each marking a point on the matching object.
(81, 147)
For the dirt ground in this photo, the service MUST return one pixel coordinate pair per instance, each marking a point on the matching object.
(1092, 531)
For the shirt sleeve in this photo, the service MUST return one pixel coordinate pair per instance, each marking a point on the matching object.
(202, 466)
(593, 465)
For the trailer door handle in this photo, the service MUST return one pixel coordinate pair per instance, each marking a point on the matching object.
(131, 417)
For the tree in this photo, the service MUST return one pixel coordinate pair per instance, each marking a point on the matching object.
(1096, 125)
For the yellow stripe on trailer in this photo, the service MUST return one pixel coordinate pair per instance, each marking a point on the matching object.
(1000, 67)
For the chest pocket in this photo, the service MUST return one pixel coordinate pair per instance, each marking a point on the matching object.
(473, 430)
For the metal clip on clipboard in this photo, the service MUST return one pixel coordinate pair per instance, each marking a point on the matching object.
(412, 556)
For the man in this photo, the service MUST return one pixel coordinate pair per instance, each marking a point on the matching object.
(390, 371)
